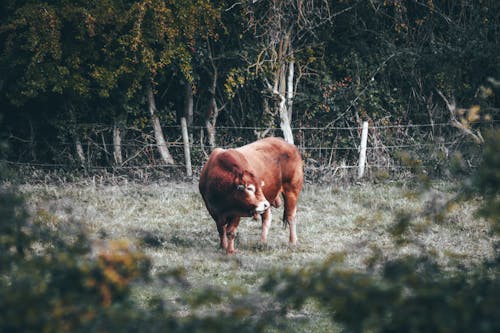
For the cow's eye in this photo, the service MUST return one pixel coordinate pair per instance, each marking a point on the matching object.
(240, 187)
(251, 188)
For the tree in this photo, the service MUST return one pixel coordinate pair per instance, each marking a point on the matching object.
(65, 56)
(162, 34)
(283, 29)
(83, 53)
(32, 60)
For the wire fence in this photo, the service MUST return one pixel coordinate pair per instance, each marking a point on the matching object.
(331, 150)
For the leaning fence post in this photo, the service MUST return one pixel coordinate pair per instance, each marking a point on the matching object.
(362, 151)
(187, 153)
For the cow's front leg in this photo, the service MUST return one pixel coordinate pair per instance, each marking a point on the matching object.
(221, 228)
(231, 233)
(266, 223)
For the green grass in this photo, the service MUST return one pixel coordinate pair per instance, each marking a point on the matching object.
(170, 223)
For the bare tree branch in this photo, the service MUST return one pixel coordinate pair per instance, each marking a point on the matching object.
(452, 107)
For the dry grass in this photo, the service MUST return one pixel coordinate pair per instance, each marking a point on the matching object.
(172, 226)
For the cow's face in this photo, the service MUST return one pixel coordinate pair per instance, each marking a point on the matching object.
(248, 193)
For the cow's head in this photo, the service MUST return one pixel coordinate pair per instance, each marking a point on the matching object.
(248, 193)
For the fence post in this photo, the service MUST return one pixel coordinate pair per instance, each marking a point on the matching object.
(187, 153)
(362, 151)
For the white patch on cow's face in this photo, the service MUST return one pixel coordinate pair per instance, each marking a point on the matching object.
(250, 192)
(251, 188)
(262, 206)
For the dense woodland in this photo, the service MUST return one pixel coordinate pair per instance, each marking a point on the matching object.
(105, 83)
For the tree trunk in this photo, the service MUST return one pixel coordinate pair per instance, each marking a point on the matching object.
(213, 112)
(74, 132)
(32, 140)
(211, 121)
(188, 104)
(79, 150)
(211, 134)
(213, 109)
(286, 128)
(105, 148)
(160, 139)
(289, 89)
(283, 89)
(117, 144)
(279, 90)
(285, 94)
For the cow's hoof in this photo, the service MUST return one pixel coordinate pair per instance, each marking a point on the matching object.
(262, 246)
(230, 252)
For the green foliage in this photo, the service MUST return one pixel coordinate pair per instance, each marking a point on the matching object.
(50, 279)
(376, 60)
(412, 294)
(54, 278)
(486, 181)
(62, 47)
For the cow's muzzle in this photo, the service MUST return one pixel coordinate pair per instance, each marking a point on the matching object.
(262, 207)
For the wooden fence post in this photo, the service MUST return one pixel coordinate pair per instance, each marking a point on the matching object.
(362, 151)
(187, 153)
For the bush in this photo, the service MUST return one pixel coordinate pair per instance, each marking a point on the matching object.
(54, 278)
(410, 294)
(53, 283)
(486, 181)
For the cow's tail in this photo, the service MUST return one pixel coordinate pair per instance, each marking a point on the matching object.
(285, 221)
(278, 203)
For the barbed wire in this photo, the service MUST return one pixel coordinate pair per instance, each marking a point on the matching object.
(260, 128)
(167, 166)
(143, 146)
(94, 167)
(305, 148)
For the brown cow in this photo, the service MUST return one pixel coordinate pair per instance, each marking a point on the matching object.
(241, 182)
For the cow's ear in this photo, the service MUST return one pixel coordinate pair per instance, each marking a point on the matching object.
(240, 187)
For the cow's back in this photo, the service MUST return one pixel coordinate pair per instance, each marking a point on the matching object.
(277, 163)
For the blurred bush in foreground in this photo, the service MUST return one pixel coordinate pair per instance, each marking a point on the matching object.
(486, 181)
(54, 283)
(53, 278)
(410, 294)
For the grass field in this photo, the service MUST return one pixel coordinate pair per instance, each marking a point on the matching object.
(170, 223)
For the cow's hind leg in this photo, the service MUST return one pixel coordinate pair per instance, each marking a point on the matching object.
(289, 213)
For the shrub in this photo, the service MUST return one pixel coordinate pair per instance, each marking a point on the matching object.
(53, 278)
(410, 294)
(50, 282)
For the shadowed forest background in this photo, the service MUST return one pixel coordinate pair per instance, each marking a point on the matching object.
(104, 84)
(96, 236)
